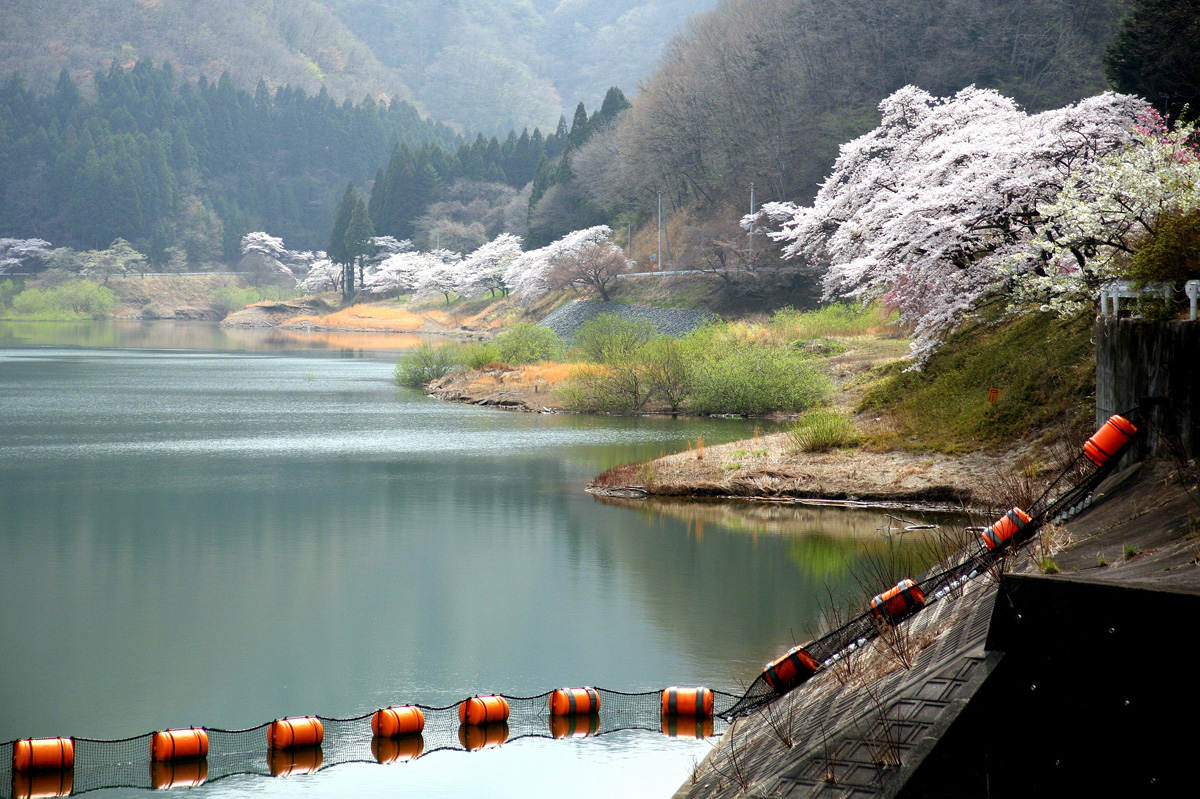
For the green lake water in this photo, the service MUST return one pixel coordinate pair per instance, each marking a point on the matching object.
(211, 528)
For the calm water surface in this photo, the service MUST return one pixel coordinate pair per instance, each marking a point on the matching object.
(211, 528)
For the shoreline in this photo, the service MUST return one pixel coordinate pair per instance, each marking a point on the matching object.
(860, 477)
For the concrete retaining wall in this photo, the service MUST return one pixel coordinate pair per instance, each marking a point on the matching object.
(1137, 358)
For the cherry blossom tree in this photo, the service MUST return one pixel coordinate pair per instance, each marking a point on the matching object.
(483, 270)
(323, 275)
(529, 273)
(262, 252)
(441, 274)
(397, 273)
(939, 205)
(1111, 206)
(23, 255)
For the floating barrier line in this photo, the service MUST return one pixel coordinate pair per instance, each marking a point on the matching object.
(299, 745)
(128, 762)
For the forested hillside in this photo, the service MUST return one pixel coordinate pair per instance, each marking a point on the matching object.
(187, 167)
(766, 90)
(299, 43)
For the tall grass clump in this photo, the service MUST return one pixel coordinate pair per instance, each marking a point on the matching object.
(835, 319)
(526, 342)
(73, 300)
(425, 364)
(821, 431)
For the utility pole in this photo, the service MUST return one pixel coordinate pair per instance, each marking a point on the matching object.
(750, 260)
(629, 242)
(659, 262)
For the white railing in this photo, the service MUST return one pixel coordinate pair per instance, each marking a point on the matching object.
(1113, 293)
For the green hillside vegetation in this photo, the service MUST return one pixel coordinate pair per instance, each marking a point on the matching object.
(1043, 366)
(299, 43)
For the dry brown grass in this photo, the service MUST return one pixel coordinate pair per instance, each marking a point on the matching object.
(367, 317)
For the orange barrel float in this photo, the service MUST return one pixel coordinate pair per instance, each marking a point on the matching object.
(41, 783)
(474, 737)
(43, 753)
(300, 731)
(687, 726)
(898, 601)
(1000, 533)
(295, 760)
(397, 749)
(393, 721)
(483, 710)
(1109, 439)
(687, 702)
(788, 671)
(575, 725)
(177, 744)
(167, 774)
(569, 701)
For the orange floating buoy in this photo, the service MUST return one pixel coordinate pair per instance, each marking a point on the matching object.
(687, 702)
(393, 721)
(474, 737)
(898, 601)
(569, 701)
(41, 783)
(167, 774)
(575, 725)
(173, 744)
(37, 753)
(1005, 528)
(483, 710)
(687, 726)
(791, 669)
(1110, 439)
(295, 760)
(300, 731)
(397, 749)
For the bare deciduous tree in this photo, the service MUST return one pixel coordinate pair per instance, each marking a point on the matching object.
(595, 264)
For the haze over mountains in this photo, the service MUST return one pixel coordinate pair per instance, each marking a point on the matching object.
(479, 65)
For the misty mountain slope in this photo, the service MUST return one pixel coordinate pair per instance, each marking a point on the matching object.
(498, 65)
(298, 42)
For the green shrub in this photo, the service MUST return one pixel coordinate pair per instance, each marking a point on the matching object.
(75, 299)
(609, 338)
(821, 431)
(622, 389)
(477, 354)
(667, 365)
(526, 342)
(8, 290)
(753, 379)
(425, 364)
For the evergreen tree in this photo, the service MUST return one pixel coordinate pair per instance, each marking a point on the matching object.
(1155, 55)
(359, 242)
(337, 251)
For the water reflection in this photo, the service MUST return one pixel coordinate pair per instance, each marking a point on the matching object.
(203, 336)
(212, 527)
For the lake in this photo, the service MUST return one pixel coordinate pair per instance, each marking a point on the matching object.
(220, 528)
